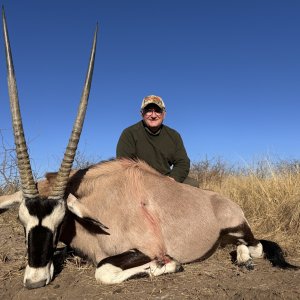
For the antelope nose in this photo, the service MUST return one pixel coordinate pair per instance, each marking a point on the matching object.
(34, 285)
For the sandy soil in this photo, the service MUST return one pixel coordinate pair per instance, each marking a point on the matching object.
(215, 278)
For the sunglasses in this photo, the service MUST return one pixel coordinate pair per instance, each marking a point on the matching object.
(150, 111)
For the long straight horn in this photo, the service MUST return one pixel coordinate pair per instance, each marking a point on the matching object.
(28, 185)
(66, 165)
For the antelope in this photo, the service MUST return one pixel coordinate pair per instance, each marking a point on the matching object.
(122, 214)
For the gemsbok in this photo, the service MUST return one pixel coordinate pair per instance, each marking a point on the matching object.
(121, 214)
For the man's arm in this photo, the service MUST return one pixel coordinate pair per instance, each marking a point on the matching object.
(181, 164)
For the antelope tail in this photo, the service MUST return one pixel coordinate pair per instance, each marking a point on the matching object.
(274, 254)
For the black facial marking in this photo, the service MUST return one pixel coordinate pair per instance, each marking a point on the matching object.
(40, 208)
(57, 234)
(40, 246)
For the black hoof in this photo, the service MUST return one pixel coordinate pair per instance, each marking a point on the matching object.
(179, 268)
(247, 264)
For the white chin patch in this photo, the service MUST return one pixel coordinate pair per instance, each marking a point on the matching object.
(38, 277)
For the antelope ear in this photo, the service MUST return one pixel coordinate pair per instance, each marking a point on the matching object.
(81, 211)
(8, 201)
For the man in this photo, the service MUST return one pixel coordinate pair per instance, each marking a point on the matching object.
(157, 144)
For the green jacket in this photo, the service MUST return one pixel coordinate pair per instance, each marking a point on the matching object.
(165, 151)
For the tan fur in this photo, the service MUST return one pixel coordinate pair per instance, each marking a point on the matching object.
(144, 210)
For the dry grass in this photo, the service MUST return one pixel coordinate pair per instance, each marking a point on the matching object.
(268, 192)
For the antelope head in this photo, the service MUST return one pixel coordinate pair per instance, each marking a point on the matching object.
(42, 218)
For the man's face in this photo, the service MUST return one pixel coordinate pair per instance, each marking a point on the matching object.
(153, 116)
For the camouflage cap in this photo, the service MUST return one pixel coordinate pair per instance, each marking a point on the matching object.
(152, 99)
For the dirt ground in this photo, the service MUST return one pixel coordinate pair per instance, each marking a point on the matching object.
(215, 278)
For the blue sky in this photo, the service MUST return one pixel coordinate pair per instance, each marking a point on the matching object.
(228, 71)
